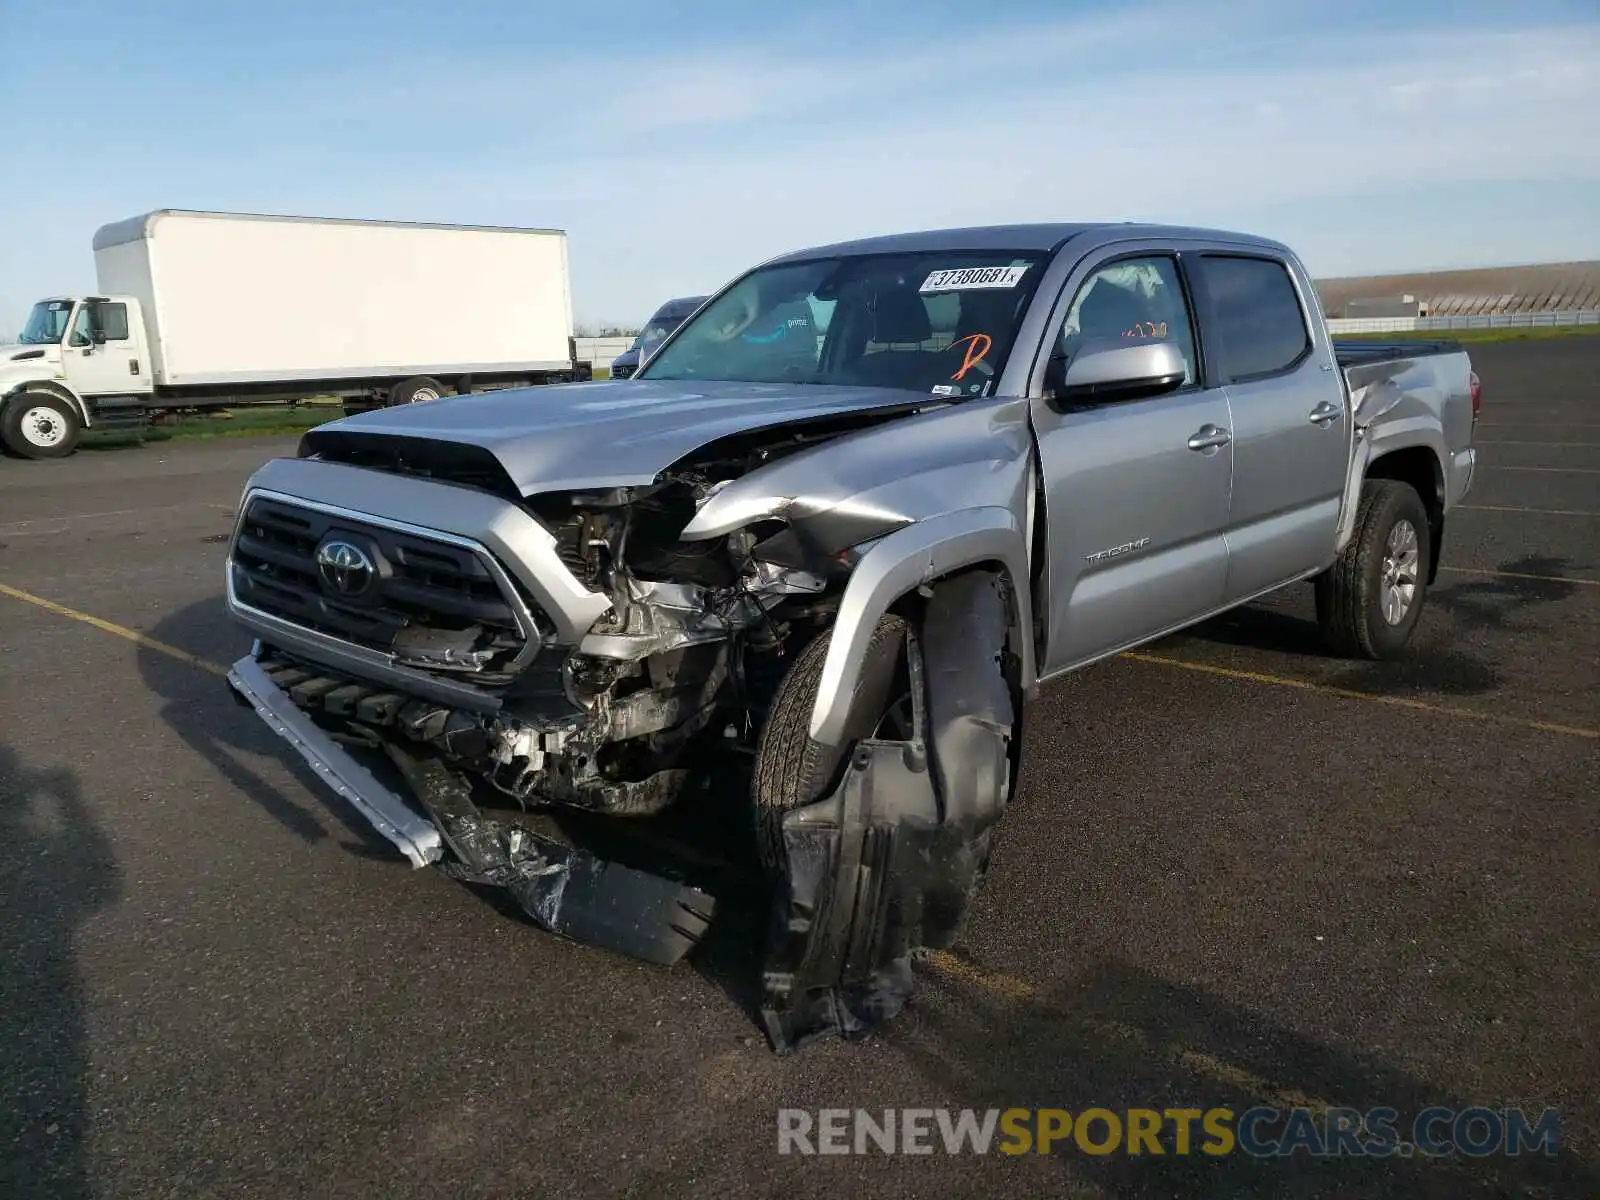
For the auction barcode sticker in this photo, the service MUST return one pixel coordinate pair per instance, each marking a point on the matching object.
(964, 278)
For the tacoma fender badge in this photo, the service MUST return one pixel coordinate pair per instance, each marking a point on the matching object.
(1117, 551)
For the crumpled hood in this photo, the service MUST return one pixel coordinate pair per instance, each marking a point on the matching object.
(599, 435)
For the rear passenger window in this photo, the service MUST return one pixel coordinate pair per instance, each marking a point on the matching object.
(1256, 314)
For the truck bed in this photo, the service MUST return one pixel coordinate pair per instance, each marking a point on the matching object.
(1354, 351)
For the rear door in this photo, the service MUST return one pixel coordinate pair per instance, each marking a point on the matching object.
(1136, 492)
(1291, 425)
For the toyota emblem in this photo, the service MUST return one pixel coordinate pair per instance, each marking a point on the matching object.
(345, 567)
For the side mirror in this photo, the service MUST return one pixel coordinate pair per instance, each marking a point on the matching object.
(1121, 373)
(98, 336)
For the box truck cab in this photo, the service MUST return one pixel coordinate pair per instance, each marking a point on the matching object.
(203, 310)
(80, 360)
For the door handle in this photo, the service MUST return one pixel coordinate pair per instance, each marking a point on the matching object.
(1209, 437)
(1325, 414)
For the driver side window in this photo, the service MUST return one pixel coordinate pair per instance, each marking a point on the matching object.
(1131, 302)
(81, 329)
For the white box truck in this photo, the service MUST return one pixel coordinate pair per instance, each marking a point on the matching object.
(199, 310)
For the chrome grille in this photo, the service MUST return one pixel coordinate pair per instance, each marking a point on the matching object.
(437, 605)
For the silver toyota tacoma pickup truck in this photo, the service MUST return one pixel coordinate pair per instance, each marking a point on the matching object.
(753, 631)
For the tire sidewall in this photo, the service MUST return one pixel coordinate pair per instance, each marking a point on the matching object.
(804, 778)
(406, 391)
(1401, 503)
(11, 426)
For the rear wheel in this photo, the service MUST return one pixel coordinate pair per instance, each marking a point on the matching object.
(415, 390)
(40, 425)
(1369, 601)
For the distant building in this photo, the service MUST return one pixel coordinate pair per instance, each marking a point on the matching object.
(1381, 306)
(1547, 287)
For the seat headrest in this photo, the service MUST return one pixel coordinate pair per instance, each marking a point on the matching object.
(1109, 312)
(990, 312)
(899, 315)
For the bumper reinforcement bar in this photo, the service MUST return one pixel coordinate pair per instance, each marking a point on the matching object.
(564, 889)
(411, 832)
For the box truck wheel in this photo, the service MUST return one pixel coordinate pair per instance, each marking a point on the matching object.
(40, 425)
(415, 389)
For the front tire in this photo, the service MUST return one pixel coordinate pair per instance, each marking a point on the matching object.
(1369, 601)
(790, 769)
(40, 425)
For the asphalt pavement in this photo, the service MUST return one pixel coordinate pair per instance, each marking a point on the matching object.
(1239, 872)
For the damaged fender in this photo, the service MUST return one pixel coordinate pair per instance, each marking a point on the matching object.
(907, 559)
(891, 860)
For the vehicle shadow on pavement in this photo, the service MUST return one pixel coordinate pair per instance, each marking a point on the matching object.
(58, 871)
(1119, 1038)
(1487, 603)
(1442, 668)
(208, 715)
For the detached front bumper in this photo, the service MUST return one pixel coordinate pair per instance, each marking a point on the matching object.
(412, 833)
(565, 890)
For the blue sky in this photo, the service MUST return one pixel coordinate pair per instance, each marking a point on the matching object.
(678, 149)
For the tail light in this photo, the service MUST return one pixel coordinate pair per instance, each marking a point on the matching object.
(1477, 394)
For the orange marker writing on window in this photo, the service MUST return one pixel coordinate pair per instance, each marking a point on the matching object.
(978, 344)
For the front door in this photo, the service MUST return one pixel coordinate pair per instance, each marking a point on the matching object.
(1136, 492)
(103, 356)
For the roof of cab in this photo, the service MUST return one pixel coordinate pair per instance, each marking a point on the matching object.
(680, 306)
(1042, 237)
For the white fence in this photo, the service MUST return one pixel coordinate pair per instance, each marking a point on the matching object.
(1445, 324)
(600, 351)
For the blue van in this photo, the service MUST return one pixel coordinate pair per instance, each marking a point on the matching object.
(666, 318)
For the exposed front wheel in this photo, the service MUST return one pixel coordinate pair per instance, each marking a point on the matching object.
(40, 425)
(1369, 601)
(790, 769)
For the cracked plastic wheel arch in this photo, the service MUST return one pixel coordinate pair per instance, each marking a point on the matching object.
(888, 854)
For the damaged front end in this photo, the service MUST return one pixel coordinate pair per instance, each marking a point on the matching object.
(561, 696)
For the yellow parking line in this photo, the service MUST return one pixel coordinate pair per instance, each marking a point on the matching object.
(1516, 442)
(1545, 470)
(1200, 1062)
(1543, 512)
(1520, 575)
(1325, 689)
(111, 627)
(966, 971)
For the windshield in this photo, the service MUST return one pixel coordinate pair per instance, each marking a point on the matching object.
(937, 321)
(46, 323)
